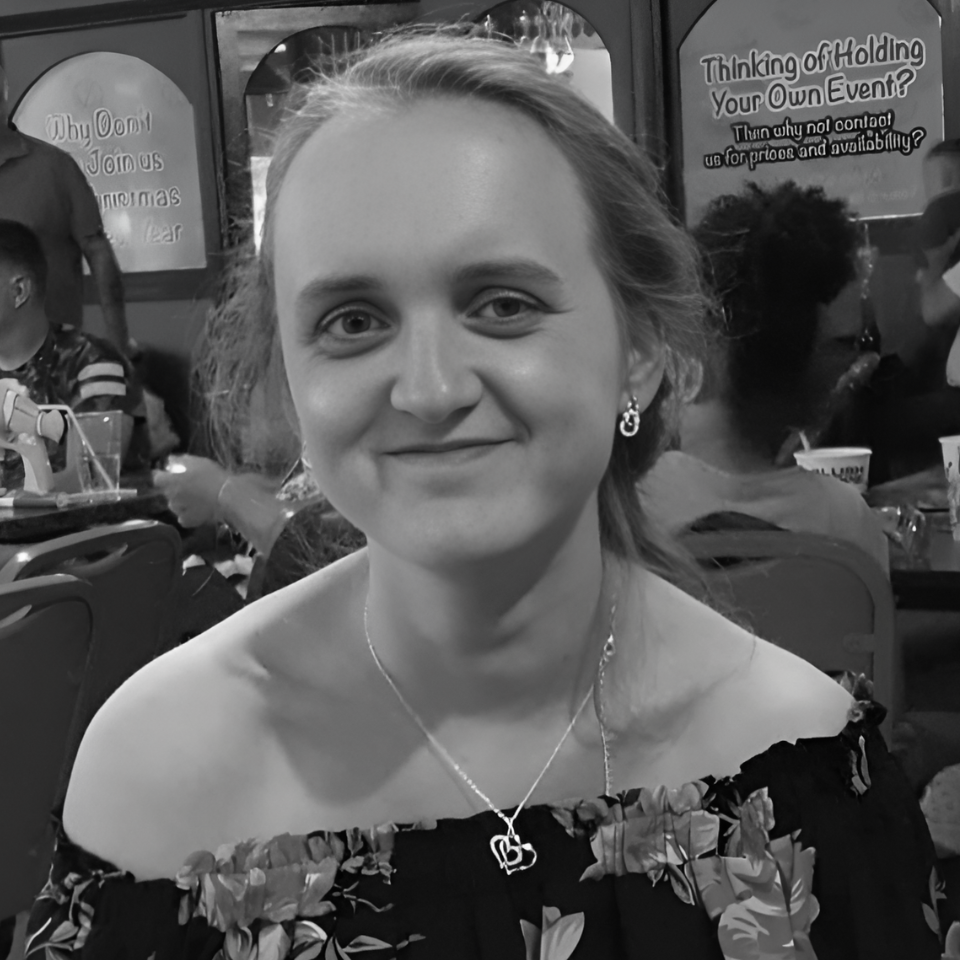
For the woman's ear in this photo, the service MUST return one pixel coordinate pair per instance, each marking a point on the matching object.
(690, 380)
(645, 374)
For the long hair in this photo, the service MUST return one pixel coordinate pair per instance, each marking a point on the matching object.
(648, 261)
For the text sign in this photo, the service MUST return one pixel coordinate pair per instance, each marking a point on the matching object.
(846, 95)
(131, 130)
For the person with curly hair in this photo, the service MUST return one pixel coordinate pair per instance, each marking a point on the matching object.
(485, 313)
(782, 262)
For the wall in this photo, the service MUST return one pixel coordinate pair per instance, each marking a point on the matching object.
(15, 7)
(175, 46)
(165, 311)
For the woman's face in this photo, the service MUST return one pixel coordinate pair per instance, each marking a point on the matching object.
(436, 289)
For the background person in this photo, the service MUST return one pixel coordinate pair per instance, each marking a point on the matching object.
(201, 492)
(781, 261)
(912, 399)
(43, 187)
(288, 528)
(938, 237)
(482, 307)
(58, 364)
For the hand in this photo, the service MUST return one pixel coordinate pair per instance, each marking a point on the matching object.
(192, 486)
(939, 257)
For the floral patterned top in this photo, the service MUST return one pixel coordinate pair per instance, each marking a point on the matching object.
(814, 851)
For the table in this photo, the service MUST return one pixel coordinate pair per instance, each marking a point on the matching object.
(930, 580)
(32, 524)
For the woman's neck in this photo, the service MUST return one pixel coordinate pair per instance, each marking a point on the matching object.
(707, 432)
(512, 640)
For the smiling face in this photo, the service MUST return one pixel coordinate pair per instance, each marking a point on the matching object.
(435, 284)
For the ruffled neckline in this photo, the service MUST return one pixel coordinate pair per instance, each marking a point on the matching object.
(368, 849)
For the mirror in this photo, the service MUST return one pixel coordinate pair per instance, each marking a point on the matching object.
(568, 44)
(295, 60)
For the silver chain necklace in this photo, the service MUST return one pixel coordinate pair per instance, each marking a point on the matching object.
(509, 850)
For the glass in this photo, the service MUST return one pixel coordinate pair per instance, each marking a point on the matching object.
(906, 528)
(950, 447)
(99, 457)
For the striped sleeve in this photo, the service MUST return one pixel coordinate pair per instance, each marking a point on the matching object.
(104, 378)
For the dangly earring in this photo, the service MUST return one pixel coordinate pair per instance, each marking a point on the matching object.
(630, 419)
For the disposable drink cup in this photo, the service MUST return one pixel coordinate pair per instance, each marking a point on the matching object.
(950, 447)
(849, 464)
(99, 459)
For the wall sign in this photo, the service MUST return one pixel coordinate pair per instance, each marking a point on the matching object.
(845, 94)
(131, 130)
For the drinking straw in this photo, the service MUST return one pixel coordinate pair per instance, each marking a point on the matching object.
(805, 441)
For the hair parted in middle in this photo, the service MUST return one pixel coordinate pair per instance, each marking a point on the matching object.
(647, 259)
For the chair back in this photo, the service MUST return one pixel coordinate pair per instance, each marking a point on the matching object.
(134, 568)
(823, 599)
(46, 630)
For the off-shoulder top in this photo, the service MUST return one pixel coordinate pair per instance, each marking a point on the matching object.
(815, 850)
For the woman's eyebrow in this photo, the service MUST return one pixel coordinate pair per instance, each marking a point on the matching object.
(512, 268)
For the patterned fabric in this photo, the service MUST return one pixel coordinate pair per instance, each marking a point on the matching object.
(87, 374)
(814, 851)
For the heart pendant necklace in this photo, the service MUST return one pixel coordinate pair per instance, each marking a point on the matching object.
(511, 853)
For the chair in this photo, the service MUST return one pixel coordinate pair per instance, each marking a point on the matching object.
(133, 568)
(825, 600)
(46, 630)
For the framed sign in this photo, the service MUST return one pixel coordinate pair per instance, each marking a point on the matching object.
(846, 95)
(131, 131)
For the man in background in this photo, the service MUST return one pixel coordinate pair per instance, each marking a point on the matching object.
(44, 188)
(53, 364)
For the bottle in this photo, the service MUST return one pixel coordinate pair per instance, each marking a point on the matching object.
(869, 341)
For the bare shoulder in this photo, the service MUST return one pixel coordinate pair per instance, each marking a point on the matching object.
(776, 696)
(751, 693)
(148, 754)
(170, 760)
(795, 697)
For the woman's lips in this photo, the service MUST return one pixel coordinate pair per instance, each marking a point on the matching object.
(459, 454)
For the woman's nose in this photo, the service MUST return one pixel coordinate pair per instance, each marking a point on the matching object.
(433, 375)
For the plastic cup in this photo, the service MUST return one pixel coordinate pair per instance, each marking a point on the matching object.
(950, 447)
(99, 463)
(849, 464)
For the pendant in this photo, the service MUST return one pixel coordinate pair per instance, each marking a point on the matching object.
(511, 854)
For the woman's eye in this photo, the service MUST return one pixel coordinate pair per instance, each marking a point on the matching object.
(354, 323)
(509, 307)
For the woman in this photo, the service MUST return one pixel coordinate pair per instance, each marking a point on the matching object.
(783, 263)
(482, 308)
